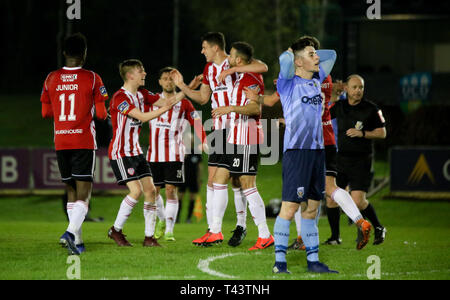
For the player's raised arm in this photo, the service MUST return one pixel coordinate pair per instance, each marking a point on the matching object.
(267, 100)
(326, 62)
(255, 66)
(287, 67)
(201, 97)
(147, 116)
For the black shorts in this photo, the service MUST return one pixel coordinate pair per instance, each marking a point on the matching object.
(167, 173)
(242, 161)
(130, 168)
(217, 143)
(191, 173)
(76, 164)
(330, 160)
(356, 172)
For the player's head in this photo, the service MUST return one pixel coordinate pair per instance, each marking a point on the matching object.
(132, 71)
(75, 47)
(241, 53)
(165, 81)
(212, 43)
(305, 55)
(354, 87)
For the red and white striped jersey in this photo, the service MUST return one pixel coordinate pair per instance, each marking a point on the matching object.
(125, 140)
(166, 131)
(220, 92)
(328, 133)
(73, 94)
(245, 130)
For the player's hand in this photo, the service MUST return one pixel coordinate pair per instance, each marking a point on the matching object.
(195, 83)
(177, 77)
(220, 111)
(337, 90)
(224, 74)
(251, 94)
(353, 132)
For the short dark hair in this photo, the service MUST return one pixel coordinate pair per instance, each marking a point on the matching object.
(165, 70)
(244, 50)
(304, 42)
(75, 45)
(215, 38)
(127, 65)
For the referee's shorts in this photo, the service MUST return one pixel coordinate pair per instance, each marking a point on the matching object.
(355, 172)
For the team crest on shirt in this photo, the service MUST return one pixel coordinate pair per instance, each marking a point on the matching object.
(195, 115)
(123, 107)
(300, 192)
(131, 171)
(359, 125)
(103, 91)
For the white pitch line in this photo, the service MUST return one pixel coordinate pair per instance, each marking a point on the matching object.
(203, 265)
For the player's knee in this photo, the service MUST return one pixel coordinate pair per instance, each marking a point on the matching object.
(171, 192)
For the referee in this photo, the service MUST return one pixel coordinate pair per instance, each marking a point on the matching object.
(359, 123)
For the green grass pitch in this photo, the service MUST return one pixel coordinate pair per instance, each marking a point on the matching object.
(416, 246)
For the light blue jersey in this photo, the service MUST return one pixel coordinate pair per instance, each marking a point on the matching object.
(302, 102)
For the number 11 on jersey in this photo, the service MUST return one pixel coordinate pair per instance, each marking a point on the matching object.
(71, 116)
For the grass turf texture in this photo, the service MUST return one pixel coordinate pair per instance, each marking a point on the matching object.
(416, 246)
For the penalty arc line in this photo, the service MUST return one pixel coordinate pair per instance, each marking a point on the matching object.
(203, 265)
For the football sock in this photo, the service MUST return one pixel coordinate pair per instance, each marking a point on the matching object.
(150, 212)
(220, 204)
(310, 236)
(240, 202)
(258, 211)
(370, 214)
(281, 236)
(333, 215)
(171, 214)
(160, 208)
(298, 221)
(209, 205)
(77, 216)
(345, 201)
(126, 207)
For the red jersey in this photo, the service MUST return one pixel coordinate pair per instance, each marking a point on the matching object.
(328, 133)
(220, 92)
(126, 130)
(166, 140)
(73, 94)
(245, 130)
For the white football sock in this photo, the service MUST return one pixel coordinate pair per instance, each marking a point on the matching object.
(258, 211)
(171, 214)
(345, 201)
(298, 221)
(160, 208)
(77, 215)
(209, 205)
(220, 205)
(126, 207)
(150, 211)
(240, 203)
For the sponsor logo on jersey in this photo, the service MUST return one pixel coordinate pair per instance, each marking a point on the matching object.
(316, 100)
(69, 77)
(421, 169)
(103, 91)
(69, 131)
(123, 107)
